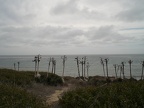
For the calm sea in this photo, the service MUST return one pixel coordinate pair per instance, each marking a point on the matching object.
(71, 66)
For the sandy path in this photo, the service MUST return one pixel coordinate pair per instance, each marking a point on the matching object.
(55, 96)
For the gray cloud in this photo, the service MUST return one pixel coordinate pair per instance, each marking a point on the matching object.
(107, 34)
(59, 36)
(70, 24)
(72, 7)
(133, 11)
(19, 12)
(69, 7)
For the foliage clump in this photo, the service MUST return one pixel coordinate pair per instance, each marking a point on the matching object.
(23, 78)
(11, 77)
(128, 94)
(52, 79)
(14, 97)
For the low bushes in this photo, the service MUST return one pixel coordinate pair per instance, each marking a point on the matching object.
(52, 79)
(24, 78)
(11, 77)
(13, 85)
(117, 95)
(13, 97)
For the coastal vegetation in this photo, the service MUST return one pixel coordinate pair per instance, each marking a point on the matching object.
(93, 92)
(15, 97)
(127, 94)
(14, 85)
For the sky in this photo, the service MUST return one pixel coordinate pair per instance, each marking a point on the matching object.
(44, 27)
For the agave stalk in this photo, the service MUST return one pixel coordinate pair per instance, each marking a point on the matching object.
(18, 65)
(35, 60)
(142, 70)
(123, 69)
(64, 58)
(115, 66)
(84, 63)
(102, 62)
(38, 60)
(52, 65)
(54, 62)
(14, 66)
(77, 60)
(49, 63)
(87, 69)
(106, 61)
(130, 62)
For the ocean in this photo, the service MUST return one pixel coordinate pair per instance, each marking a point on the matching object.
(26, 64)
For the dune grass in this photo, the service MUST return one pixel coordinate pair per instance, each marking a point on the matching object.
(14, 97)
(21, 78)
(13, 85)
(128, 94)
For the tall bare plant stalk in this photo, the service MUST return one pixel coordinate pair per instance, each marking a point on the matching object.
(14, 66)
(18, 65)
(123, 65)
(84, 63)
(106, 61)
(102, 63)
(77, 61)
(38, 60)
(130, 62)
(142, 70)
(35, 60)
(64, 58)
(87, 69)
(49, 63)
(115, 66)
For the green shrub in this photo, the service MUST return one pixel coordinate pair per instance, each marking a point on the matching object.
(52, 79)
(12, 97)
(26, 78)
(11, 77)
(116, 95)
(96, 80)
(41, 79)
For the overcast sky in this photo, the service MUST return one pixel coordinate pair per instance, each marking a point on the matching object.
(71, 27)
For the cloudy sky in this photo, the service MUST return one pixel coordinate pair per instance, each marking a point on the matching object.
(71, 27)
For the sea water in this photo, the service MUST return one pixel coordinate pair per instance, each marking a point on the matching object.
(26, 64)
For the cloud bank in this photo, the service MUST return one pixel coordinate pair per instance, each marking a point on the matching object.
(71, 26)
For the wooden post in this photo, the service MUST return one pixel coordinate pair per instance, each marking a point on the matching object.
(64, 58)
(77, 60)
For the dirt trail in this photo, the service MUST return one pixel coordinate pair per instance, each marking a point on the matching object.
(55, 96)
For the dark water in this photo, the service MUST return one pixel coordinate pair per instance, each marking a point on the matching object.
(71, 67)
